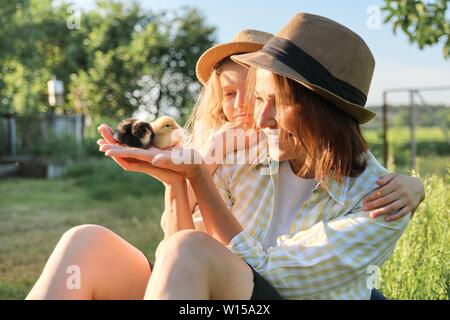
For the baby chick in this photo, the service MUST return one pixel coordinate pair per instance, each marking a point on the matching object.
(163, 129)
(134, 133)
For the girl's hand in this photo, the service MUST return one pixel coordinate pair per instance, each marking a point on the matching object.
(231, 137)
(135, 165)
(397, 196)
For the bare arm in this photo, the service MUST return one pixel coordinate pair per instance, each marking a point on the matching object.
(218, 219)
(190, 191)
(177, 214)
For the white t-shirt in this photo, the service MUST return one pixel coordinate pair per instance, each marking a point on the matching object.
(291, 193)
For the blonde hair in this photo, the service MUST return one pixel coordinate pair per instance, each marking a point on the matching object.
(207, 114)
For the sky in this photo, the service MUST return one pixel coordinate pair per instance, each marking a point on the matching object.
(399, 64)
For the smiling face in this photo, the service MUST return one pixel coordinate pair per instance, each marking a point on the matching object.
(265, 113)
(232, 82)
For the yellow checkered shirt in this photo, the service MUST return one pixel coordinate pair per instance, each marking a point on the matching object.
(333, 245)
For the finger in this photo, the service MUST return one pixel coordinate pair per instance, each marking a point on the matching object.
(117, 160)
(389, 209)
(165, 162)
(381, 202)
(101, 141)
(105, 129)
(107, 133)
(159, 161)
(129, 166)
(134, 153)
(385, 179)
(121, 163)
(398, 215)
(108, 146)
(380, 192)
(140, 166)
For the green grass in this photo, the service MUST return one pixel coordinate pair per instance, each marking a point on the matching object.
(35, 213)
(399, 135)
(420, 266)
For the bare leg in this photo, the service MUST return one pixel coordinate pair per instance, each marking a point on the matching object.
(109, 267)
(193, 265)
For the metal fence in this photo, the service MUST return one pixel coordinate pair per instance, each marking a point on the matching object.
(21, 135)
(416, 100)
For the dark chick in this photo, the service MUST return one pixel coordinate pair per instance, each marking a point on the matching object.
(134, 133)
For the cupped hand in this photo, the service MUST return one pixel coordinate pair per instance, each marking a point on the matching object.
(133, 164)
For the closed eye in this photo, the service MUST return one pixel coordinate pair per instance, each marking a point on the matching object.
(258, 98)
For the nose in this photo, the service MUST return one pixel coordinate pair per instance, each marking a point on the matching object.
(266, 116)
(239, 102)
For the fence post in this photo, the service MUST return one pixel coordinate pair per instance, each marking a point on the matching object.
(79, 134)
(385, 128)
(412, 123)
(12, 135)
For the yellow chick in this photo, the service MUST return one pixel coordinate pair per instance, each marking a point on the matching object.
(163, 128)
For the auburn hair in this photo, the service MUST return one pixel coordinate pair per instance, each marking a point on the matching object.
(318, 136)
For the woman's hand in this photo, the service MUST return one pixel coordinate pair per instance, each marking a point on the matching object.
(397, 196)
(134, 165)
(153, 161)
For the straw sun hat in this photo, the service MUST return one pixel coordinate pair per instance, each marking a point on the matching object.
(325, 57)
(244, 41)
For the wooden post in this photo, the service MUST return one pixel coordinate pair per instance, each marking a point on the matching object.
(413, 118)
(79, 134)
(385, 129)
(12, 135)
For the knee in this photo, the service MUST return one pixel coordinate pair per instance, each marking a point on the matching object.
(89, 234)
(185, 244)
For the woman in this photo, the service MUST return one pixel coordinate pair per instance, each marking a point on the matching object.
(71, 247)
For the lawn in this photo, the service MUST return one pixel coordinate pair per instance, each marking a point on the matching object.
(35, 213)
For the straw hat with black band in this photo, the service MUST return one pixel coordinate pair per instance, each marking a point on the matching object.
(243, 42)
(325, 57)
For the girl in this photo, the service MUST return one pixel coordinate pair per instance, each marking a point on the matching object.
(108, 247)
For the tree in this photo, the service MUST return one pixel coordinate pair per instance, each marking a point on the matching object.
(122, 58)
(151, 69)
(38, 45)
(425, 23)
